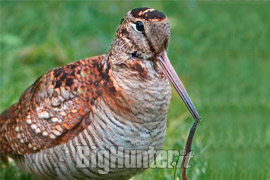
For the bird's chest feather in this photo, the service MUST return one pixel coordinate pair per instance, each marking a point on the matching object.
(139, 89)
(134, 106)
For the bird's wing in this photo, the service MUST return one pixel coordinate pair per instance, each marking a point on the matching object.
(54, 109)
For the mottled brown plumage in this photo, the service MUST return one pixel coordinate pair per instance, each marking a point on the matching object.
(117, 99)
(54, 109)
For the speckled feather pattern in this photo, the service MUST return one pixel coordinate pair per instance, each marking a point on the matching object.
(54, 109)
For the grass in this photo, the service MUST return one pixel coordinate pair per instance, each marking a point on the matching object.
(220, 49)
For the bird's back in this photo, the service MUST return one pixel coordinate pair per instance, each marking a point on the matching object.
(54, 109)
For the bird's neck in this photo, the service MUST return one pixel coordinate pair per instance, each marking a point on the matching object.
(137, 87)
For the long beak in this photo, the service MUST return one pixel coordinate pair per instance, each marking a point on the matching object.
(169, 71)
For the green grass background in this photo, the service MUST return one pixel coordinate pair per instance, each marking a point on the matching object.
(220, 49)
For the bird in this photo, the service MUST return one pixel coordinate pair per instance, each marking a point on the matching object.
(116, 100)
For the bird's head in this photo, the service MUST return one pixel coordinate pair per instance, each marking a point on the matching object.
(143, 35)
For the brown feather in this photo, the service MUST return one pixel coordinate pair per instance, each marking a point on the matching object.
(54, 109)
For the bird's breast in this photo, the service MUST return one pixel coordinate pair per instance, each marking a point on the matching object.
(135, 105)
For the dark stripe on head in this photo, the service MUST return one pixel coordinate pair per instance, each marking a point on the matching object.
(136, 11)
(149, 43)
(147, 14)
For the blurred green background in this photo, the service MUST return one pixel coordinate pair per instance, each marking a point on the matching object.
(220, 49)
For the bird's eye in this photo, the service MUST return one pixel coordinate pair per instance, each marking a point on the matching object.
(139, 26)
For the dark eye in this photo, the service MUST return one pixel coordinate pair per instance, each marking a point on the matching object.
(139, 26)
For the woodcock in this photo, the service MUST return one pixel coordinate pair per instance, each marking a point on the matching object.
(119, 99)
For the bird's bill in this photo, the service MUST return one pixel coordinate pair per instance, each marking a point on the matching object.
(169, 71)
